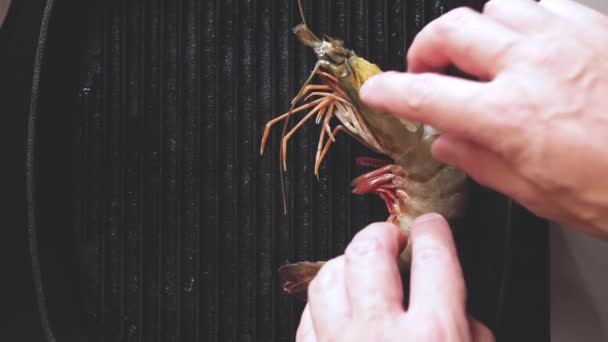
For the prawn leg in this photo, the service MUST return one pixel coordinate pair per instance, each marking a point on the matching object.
(281, 118)
(385, 181)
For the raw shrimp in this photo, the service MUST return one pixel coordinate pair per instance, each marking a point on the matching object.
(411, 183)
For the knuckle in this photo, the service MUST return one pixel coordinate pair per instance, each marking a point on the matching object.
(363, 245)
(508, 50)
(428, 251)
(493, 7)
(550, 55)
(442, 28)
(566, 59)
(457, 16)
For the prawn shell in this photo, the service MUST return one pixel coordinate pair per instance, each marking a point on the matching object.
(394, 136)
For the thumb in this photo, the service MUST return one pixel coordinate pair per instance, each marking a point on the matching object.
(434, 264)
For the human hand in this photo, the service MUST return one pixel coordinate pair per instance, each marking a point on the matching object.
(535, 124)
(359, 296)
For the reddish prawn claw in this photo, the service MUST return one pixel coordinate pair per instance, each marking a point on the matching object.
(384, 181)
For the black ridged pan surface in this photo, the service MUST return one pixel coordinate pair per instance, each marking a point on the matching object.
(158, 219)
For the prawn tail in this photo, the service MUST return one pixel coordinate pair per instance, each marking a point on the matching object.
(296, 277)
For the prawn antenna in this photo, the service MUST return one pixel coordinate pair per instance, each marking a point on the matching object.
(302, 12)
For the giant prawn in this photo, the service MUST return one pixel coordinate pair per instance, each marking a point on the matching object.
(412, 183)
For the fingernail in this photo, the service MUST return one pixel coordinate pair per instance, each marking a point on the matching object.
(368, 86)
(426, 218)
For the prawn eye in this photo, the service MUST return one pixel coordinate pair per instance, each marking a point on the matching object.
(338, 59)
(337, 55)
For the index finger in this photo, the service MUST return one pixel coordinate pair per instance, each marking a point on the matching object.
(476, 44)
(457, 106)
(371, 275)
(437, 282)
